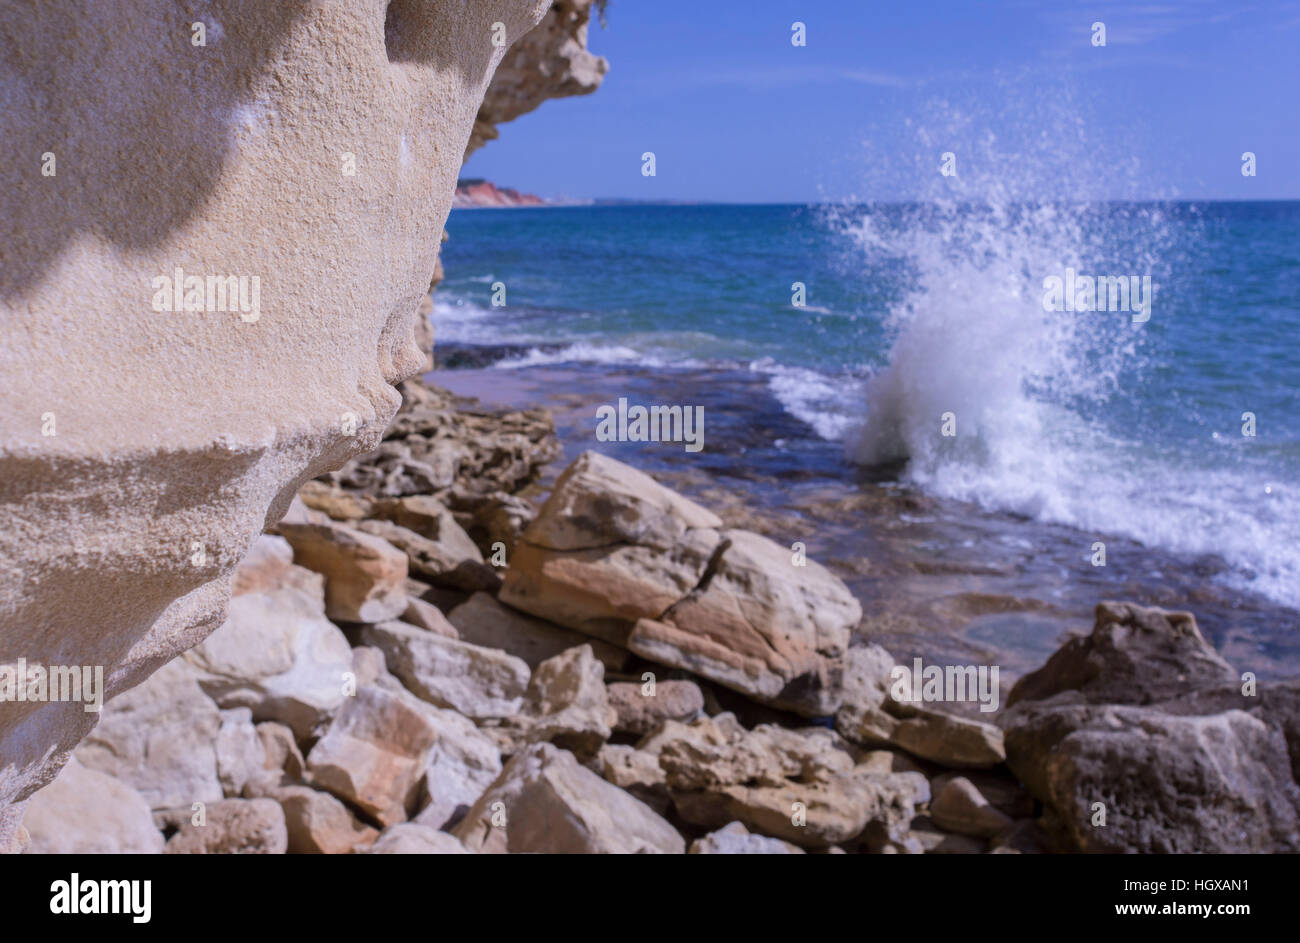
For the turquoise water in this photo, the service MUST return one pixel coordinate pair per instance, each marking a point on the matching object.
(912, 311)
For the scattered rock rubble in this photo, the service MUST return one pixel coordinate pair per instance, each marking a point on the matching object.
(380, 687)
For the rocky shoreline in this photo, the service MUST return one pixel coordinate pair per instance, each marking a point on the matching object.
(425, 656)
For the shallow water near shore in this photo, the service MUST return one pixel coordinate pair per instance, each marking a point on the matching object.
(1174, 440)
(941, 579)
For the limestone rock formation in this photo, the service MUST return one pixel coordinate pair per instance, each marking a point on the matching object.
(636, 770)
(88, 812)
(550, 62)
(1169, 784)
(374, 753)
(1144, 717)
(462, 763)
(491, 519)
(483, 620)
(280, 753)
(566, 704)
(241, 758)
(618, 556)
(641, 709)
(411, 838)
(277, 655)
(429, 617)
(269, 565)
(212, 256)
(160, 737)
(452, 560)
(233, 827)
(365, 576)
(439, 447)
(759, 625)
(544, 801)
(959, 806)
(318, 824)
(870, 716)
(478, 682)
(803, 786)
(1134, 655)
(735, 839)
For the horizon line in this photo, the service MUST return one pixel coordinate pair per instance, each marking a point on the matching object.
(609, 202)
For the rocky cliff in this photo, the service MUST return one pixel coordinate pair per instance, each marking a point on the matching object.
(216, 229)
(550, 62)
(486, 194)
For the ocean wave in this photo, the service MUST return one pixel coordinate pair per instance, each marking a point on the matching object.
(594, 353)
(823, 402)
(462, 321)
(991, 399)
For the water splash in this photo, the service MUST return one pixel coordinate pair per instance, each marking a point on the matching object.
(1052, 418)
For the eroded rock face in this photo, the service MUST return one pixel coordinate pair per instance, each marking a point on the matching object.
(303, 155)
(455, 455)
(1144, 723)
(1134, 655)
(550, 62)
(1169, 784)
(802, 786)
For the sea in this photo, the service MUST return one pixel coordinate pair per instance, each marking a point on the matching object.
(896, 386)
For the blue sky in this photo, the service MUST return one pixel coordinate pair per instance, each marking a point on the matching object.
(1015, 89)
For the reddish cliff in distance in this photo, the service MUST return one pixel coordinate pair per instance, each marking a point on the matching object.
(483, 193)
